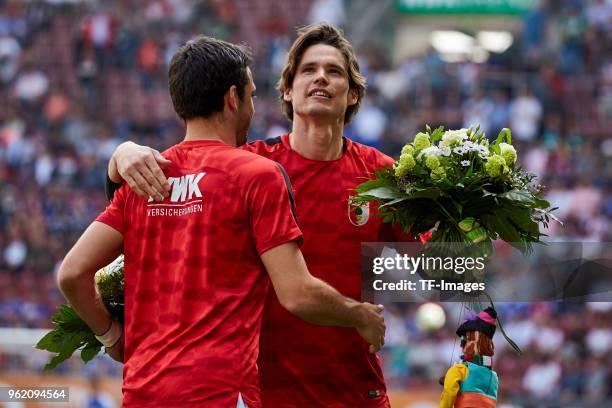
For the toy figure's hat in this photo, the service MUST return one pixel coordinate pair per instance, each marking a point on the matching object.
(483, 322)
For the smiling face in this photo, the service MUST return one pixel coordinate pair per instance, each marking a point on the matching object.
(320, 87)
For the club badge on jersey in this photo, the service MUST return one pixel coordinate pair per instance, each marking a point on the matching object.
(358, 214)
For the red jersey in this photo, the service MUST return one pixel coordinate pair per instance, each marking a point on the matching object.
(194, 282)
(304, 365)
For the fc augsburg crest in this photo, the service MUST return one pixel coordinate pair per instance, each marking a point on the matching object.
(358, 213)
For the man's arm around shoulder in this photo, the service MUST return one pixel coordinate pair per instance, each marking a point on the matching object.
(141, 167)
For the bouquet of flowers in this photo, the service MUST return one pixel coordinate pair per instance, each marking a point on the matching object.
(70, 333)
(457, 193)
(454, 186)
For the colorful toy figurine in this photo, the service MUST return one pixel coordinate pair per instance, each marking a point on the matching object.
(472, 383)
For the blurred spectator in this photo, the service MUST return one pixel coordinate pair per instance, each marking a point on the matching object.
(10, 51)
(525, 114)
(97, 397)
(31, 85)
(478, 110)
(98, 33)
(500, 112)
(16, 251)
(599, 13)
(148, 60)
(542, 379)
(370, 125)
(331, 11)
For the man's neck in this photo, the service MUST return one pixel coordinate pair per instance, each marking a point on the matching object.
(209, 129)
(317, 141)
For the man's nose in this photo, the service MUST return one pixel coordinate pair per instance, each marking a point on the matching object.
(321, 76)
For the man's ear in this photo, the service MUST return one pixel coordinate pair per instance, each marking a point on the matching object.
(288, 95)
(352, 97)
(231, 98)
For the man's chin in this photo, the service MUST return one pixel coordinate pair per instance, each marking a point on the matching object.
(320, 112)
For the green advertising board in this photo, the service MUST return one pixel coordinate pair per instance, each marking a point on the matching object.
(502, 7)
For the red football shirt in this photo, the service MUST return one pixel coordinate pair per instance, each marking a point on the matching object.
(194, 282)
(304, 365)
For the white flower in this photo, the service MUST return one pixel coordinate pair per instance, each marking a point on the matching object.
(483, 152)
(465, 163)
(467, 145)
(430, 151)
(459, 150)
(445, 150)
(454, 137)
(471, 147)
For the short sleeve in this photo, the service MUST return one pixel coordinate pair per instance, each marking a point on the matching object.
(271, 208)
(114, 214)
(110, 187)
(385, 161)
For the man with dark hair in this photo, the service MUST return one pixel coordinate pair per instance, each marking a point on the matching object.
(195, 282)
(302, 365)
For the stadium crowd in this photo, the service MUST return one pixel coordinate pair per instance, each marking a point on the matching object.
(78, 78)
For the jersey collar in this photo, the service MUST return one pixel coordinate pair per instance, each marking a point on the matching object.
(346, 145)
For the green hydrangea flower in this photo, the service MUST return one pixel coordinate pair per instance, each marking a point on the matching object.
(404, 165)
(408, 149)
(508, 153)
(495, 165)
(432, 162)
(421, 141)
(453, 138)
(438, 174)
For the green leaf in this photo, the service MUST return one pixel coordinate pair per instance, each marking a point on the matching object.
(69, 334)
(90, 351)
(54, 362)
(67, 319)
(499, 224)
(457, 206)
(395, 201)
(374, 183)
(487, 193)
(477, 235)
(70, 344)
(519, 196)
(49, 342)
(382, 193)
(470, 170)
(521, 218)
(504, 133)
(539, 203)
(467, 224)
(431, 193)
(437, 134)
(387, 218)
